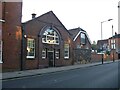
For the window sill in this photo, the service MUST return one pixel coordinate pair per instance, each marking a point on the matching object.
(66, 58)
(30, 57)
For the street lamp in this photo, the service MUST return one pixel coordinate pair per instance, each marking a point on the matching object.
(102, 36)
(113, 43)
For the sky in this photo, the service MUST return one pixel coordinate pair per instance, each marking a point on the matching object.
(86, 14)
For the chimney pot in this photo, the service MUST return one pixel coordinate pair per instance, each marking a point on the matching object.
(33, 15)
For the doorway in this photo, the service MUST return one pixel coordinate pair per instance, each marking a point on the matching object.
(51, 58)
(119, 56)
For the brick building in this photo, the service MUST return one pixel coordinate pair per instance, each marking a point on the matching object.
(40, 42)
(81, 45)
(11, 35)
(47, 43)
(109, 47)
(114, 46)
(102, 46)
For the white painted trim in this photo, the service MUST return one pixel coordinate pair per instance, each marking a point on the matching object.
(2, 20)
(67, 57)
(79, 34)
(30, 57)
(33, 47)
(88, 38)
(42, 54)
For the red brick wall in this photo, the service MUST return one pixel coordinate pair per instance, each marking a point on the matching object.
(34, 28)
(0, 22)
(12, 12)
(98, 57)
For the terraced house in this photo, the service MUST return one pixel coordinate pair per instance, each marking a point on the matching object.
(114, 46)
(40, 42)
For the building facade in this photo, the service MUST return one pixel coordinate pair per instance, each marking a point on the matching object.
(109, 47)
(81, 45)
(102, 46)
(47, 43)
(38, 43)
(114, 46)
(11, 35)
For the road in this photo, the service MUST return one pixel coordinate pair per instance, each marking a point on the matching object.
(100, 76)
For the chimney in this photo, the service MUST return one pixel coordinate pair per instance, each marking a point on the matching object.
(115, 33)
(33, 15)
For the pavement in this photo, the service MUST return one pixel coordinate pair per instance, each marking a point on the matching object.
(26, 73)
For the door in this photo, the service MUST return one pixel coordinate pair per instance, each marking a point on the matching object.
(119, 56)
(51, 58)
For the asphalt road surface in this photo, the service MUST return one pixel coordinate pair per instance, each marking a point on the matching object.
(100, 76)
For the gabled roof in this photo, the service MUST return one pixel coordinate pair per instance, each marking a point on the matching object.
(49, 18)
(76, 32)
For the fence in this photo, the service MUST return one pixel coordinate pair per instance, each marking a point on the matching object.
(82, 55)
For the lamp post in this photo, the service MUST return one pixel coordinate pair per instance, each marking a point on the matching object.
(102, 36)
(113, 43)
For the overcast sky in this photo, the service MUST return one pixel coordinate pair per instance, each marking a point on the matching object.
(87, 14)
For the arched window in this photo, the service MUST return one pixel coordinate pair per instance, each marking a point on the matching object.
(50, 36)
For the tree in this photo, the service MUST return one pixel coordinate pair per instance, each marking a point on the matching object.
(94, 46)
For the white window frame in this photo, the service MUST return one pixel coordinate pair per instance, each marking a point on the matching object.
(43, 55)
(66, 48)
(54, 36)
(113, 44)
(28, 56)
(57, 54)
(82, 36)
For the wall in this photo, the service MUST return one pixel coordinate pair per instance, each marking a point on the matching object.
(82, 55)
(0, 36)
(12, 13)
(98, 57)
(34, 29)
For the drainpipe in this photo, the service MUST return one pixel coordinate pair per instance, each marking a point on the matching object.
(23, 48)
(38, 51)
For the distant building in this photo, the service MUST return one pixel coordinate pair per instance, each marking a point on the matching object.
(114, 46)
(110, 46)
(102, 46)
(81, 45)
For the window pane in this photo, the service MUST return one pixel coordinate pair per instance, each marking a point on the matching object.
(66, 51)
(30, 48)
(82, 38)
(50, 37)
(57, 54)
(43, 53)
